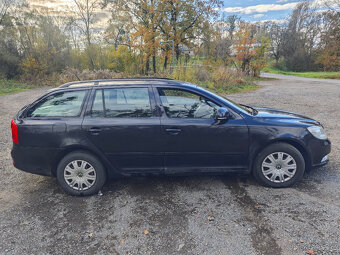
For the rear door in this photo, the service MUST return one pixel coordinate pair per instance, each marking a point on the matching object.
(123, 124)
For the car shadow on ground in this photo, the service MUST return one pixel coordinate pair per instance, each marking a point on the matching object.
(194, 181)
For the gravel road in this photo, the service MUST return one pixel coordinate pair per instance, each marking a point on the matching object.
(181, 215)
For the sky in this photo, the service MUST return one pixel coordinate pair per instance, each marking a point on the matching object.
(260, 10)
(248, 10)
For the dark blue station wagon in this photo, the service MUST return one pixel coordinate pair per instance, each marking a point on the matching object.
(86, 132)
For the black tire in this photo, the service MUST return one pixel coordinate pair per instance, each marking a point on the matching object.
(99, 169)
(279, 147)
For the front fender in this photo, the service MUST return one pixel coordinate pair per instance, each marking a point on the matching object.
(261, 137)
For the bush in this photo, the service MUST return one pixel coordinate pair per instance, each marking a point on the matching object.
(122, 60)
(221, 78)
(72, 74)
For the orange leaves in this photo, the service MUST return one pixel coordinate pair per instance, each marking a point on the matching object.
(250, 51)
(244, 44)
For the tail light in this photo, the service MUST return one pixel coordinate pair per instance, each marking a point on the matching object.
(14, 128)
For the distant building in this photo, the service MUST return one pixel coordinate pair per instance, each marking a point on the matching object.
(185, 50)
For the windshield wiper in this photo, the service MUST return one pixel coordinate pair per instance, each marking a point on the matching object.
(253, 110)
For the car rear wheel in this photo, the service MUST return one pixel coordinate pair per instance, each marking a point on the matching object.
(279, 165)
(81, 174)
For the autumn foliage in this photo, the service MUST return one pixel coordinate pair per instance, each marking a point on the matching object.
(250, 49)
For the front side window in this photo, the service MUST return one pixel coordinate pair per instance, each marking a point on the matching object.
(122, 103)
(184, 104)
(63, 104)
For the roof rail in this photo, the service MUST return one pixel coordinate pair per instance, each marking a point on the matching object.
(119, 81)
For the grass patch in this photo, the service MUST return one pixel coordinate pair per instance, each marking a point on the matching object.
(230, 89)
(319, 75)
(13, 86)
(255, 79)
(242, 88)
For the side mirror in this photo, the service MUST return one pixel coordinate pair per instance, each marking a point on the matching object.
(222, 114)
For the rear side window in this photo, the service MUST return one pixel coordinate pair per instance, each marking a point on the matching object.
(122, 103)
(63, 104)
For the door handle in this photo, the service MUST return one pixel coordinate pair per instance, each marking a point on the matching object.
(173, 131)
(95, 130)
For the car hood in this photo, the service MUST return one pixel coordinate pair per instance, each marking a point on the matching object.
(283, 115)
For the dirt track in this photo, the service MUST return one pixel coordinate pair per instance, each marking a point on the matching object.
(183, 215)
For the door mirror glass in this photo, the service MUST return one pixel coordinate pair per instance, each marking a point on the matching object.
(222, 113)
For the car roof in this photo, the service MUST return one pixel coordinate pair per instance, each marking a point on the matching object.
(130, 81)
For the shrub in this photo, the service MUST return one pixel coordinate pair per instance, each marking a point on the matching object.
(72, 74)
(220, 78)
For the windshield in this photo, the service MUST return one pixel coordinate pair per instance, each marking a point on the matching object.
(240, 107)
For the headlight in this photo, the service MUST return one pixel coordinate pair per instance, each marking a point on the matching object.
(317, 132)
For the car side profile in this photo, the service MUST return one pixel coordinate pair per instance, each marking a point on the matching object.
(86, 132)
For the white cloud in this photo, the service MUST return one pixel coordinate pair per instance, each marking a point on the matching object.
(256, 16)
(277, 21)
(261, 8)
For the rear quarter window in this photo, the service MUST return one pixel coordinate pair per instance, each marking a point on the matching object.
(62, 104)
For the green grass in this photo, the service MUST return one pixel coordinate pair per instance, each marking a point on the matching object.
(231, 89)
(242, 88)
(320, 75)
(13, 86)
(255, 79)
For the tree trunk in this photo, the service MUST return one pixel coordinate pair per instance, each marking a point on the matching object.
(154, 63)
(165, 63)
(147, 65)
(177, 51)
(90, 58)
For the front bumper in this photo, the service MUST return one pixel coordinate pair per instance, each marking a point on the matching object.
(319, 150)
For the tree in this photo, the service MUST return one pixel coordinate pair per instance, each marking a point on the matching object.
(232, 20)
(251, 47)
(9, 53)
(276, 36)
(183, 21)
(4, 7)
(144, 17)
(118, 32)
(43, 45)
(85, 11)
(329, 47)
(301, 37)
(259, 60)
(244, 46)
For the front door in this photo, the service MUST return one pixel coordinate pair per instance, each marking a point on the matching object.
(122, 124)
(193, 140)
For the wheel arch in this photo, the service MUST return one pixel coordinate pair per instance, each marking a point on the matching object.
(110, 170)
(295, 143)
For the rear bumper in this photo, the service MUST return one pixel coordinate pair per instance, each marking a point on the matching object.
(34, 160)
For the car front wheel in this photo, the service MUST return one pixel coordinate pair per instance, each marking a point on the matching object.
(279, 165)
(81, 174)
